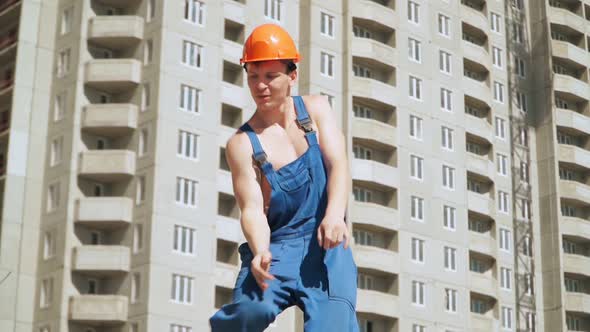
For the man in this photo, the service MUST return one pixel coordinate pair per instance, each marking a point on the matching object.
(290, 178)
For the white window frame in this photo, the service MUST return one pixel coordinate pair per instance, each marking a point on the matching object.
(137, 238)
(49, 242)
(505, 239)
(59, 107)
(417, 208)
(187, 191)
(140, 189)
(450, 259)
(416, 167)
(448, 177)
(502, 164)
(500, 126)
(521, 101)
(417, 252)
(188, 145)
(449, 217)
(446, 100)
(56, 155)
(142, 142)
(66, 20)
(503, 202)
(444, 25)
(182, 289)
(64, 59)
(327, 25)
(447, 138)
(192, 54)
(520, 68)
(415, 88)
(327, 64)
(499, 92)
(418, 293)
(506, 318)
(46, 293)
(135, 288)
(415, 50)
(497, 57)
(445, 59)
(496, 23)
(416, 127)
(413, 12)
(450, 300)
(190, 99)
(53, 196)
(195, 13)
(273, 10)
(505, 278)
(184, 240)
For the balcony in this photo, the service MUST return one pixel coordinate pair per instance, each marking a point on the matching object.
(115, 32)
(575, 191)
(113, 75)
(107, 165)
(99, 309)
(232, 51)
(7, 48)
(475, 52)
(372, 49)
(572, 86)
(483, 284)
(572, 119)
(372, 171)
(102, 260)
(565, 50)
(228, 229)
(111, 120)
(235, 11)
(375, 258)
(575, 155)
(566, 18)
(7, 7)
(575, 227)
(374, 302)
(372, 11)
(225, 275)
(120, 3)
(480, 165)
(374, 214)
(104, 212)
(577, 264)
(482, 243)
(374, 89)
(374, 130)
(224, 182)
(233, 95)
(480, 203)
(481, 323)
(577, 302)
(473, 17)
(479, 127)
(476, 89)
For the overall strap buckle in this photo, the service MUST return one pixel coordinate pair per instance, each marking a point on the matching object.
(260, 157)
(305, 124)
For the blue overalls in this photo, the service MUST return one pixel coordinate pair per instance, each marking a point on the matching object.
(322, 283)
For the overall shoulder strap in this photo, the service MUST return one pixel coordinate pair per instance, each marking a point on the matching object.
(304, 120)
(258, 152)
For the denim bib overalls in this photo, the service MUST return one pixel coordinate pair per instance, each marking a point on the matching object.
(322, 283)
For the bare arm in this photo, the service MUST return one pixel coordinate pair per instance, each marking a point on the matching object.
(333, 147)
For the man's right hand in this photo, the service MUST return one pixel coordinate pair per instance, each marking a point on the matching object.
(260, 266)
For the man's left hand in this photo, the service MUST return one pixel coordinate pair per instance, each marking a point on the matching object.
(332, 232)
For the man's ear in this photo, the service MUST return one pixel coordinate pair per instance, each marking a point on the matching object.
(292, 78)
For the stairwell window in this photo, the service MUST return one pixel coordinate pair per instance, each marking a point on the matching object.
(518, 34)
(59, 107)
(56, 151)
(140, 190)
(521, 101)
(53, 196)
(142, 144)
(519, 67)
(135, 287)
(66, 20)
(46, 294)
(63, 63)
(48, 245)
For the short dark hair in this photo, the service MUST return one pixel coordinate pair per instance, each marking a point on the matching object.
(291, 66)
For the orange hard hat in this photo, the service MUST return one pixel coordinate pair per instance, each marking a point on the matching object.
(269, 42)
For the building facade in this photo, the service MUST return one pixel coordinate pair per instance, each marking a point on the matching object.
(467, 126)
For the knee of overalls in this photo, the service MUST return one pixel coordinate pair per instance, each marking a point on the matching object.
(243, 317)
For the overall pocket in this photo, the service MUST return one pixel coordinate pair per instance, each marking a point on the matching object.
(342, 274)
(295, 182)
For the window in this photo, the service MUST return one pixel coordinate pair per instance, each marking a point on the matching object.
(524, 171)
(151, 10)
(56, 151)
(444, 25)
(186, 192)
(46, 295)
(496, 23)
(518, 33)
(415, 127)
(525, 209)
(449, 220)
(184, 240)
(327, 64)
(573, 323)
(450, 259)
(418, 328)
(361, 32)
(530, 321)
(523, 136)
(45, 329)
(505, 241)
(418, 293)
(145, 97)
(135, 287)
(362, 194)
(500, 128)
(181, 289)
(473, 186)
(417, 250)
(502, 164)
(414, 49)
(527, 246)
(497, 57)
(478, 306)
(450, 300)
(365, 325)
(66, 20)
(363, 237)
(528, 284)
(140, 190)
(273, 9)
(447, 138)
(361, 71)
(568, 210)
(446, 100)
(190, 99)
(142, 144)
(360, 152)
(194, 11)
(63, 62)
(416, 167)
(499, 92)
(413, 12)
(59, 108)
(505, 281)
(362, 111)
(148, 52)
(518, 4)
(53, 197)
(133, 327)
(519, 66)
(192, 54)
(364, 281)
(444, 61)
(572, 285)
(137, 238)
(569, 247)
(415, 88)
(188, 145)
(503, 201)
(48, 245)
(476, 265)
(417, 208)
(560, 103)
(448, 175)
(506, 318)
(327, 25)
(330, 99)
(521, 103)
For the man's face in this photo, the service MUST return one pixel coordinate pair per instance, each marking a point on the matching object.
(269, 83)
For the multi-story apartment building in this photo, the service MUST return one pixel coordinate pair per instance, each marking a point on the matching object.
(467, 124)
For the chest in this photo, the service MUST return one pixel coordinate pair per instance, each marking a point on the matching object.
(283, 146)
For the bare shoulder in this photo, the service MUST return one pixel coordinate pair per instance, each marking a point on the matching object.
(317, 106)
(238, 148)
